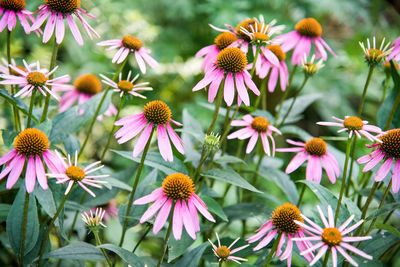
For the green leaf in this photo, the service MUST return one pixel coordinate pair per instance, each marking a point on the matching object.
(227, 159)
(383, 210)
(230, 176)
(112, 182)
(379, 244)
(214, 207)
(388, 228)
(15, 221)
(244, 211)
(8, 137)
(72, 120)
(4, 210)
(177, 248)
(46, 201)
(77, 251)
(192, 258)
(155, 160)
(17, 102)
(300, 105)
(124, 254)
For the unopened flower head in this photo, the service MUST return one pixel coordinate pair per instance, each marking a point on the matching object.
(128, 85)
(225, 253)
(94, 220)
(309, 67)
(212, 142)
(332, 238)
(70, 172)
(177, 190)
(374, 55)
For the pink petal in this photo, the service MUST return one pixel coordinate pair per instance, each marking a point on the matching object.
(40, 173)
(142, 140)
(177, 221)
(384, 170)
(30, 177)
(153, 196)
(140, 62)
(229, 89)
(162, 216)
(176, 140)
(252, 143)
(296, 162)
(163, 143)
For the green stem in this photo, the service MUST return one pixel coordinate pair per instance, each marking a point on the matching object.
(386, 84)
(148, 228)
(17, 122)
(258, 165)
(52, 66)
(254, 61)
(220, 263)
(134, 187)
(218, 103)
(392, 112)
(272, 252)
(31, 104)
(99, 243)
(96, 113)
(83, 198)
(197, 172)
(263, 94)
(343, 187)
(364, 94)
(168, 233)
(352, 157)
(120, 106)
(286, 94)
(227, 128)
(23, 229)
(303, 190)
(325, 263)
(293, 101)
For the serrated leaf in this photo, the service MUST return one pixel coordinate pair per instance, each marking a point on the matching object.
(214, 207)
(124, 254)
(230, 176)
(77, 251)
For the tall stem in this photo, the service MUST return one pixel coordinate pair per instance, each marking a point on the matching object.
(148, 228)
(392, 112)
(364, 94)
(217, 107)
(352, 157)
(120, 106)
(272, 252)
(23, 229)
(167, 234)
(31, 104)
(52, 65)
(303, 190)
(98, 243)
(325, 263)
(293, 101)
(17, 122)
(263, 96)
(255, 61)
(343, 187)
(227, 128)
(285, 95)
(96, 113)
(203, 158)
(134, 187)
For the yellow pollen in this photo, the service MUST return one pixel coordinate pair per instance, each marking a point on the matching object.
(353, 123)
(178, 186)
(232, 59)
(278, 52)
(36, 78)
(316, 146)
(309, 27)
(391, 143)
(157, 112)
(64, 6)
(225, 39)
(75, 173)
(260, 124)
(15, 5)
(260, 37)
(125, 85)
(132, 42)
(223, 252)
(31, 142)
(331, 236)
(283, 218)
(88, 84)
(246, 24)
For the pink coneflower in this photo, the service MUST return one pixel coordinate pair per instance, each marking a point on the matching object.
(94, 219)
(31, 148)
(277, 70)
(10, 11)
(332, 238)
(128, 85)
(253, 129)
(395, 54)
(315, 151)
(156, 115)
(84, 88)
(282, 223)
(30, 79)
(70, 172)
(210, 53)
(230, 68)
(387, 151)
(224, 253)
(4, 69)
(307, 32)
(130, 44)
(177, 190)
(354, 125)
(56, 12)
(374, 55)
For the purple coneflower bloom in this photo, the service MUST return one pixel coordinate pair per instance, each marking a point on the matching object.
(128, 85)
(10, 11)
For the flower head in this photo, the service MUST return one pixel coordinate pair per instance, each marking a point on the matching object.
(94, 220)
(224, 253)
(315, 151)
(230, 69)
(156, 115)
(31, 78)
(332, 238)
(73, 174)
(177, 193)
(212, 142)
(10, 11)
(309, 67)
(130, 44)
(374, 55)
(31, 149)
(307, 32)
(395, 53)
(259, 32)
(354, 125)
(55, 12)
(388, 151)
(128, 85)
(255, 127)
(282, 223)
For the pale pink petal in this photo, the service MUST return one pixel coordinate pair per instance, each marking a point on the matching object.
(30, 177)
(252, 143)
(264, 242)
(296, 162)
(229, 89)
(152, 210)
(177, 221)
(142, 140)
(176, 140)
(153, 196)
(384, 170)
(140, 62)
(40, 173)
(201, 207)
(16, 170)
(162, 216)
(187, 220)
(163, 143)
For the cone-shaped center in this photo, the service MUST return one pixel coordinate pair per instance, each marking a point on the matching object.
(260, 124)
(278, 52)
(225, 39)
(31, 142)
(16, 5)
(157, 112)
(309, 27)
(391, 143)
(36, 78)
(283, 218)
(316, 146)
(64, 6)
(178, 186)
(223, 252)
(250, 26)
(353, 123)
(132, 42)
(75, 173)
(331, 236)
(88, 84)
(232, 59)
(125, 85)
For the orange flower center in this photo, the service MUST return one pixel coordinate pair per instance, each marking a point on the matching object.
(316, 146)
(309, 27)
(88, 84)
(125, 85)
(132, 42)
(157, 112)
(331, 236)
(75, 173)
(16, 5)
(260, 124)
(353, 123)
(283, 218)
(223, 252)
(36, 78)
(64, 6)
(278, 52)
(260, 37)
(247, 24)
(232, 59)
(225, 39)
(31, 142)
(391, 143)
(178, 186)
